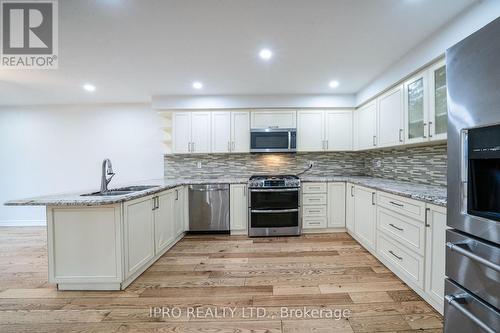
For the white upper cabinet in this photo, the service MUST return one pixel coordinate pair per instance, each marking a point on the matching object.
(338, 130)
(221, 132)
(240, 132)
(416, 108)
(310, 131)
(274, 119)
(191, 132)
(181, 132)
(438, 106)
(200, 132)
(390, 118)
(366, 129)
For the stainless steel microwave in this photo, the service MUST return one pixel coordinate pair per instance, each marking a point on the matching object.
(273, 140)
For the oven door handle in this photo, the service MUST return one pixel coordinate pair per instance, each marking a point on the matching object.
(274, 211)
(275, 190)
(455, 300)
(473, 256)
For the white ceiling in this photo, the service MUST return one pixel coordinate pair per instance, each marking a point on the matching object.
(132, 50)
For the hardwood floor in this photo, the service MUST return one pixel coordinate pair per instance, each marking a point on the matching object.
(204, 274)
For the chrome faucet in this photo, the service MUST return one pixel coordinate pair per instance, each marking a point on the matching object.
(106, 171)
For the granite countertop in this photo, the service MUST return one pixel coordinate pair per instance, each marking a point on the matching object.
(427, 193)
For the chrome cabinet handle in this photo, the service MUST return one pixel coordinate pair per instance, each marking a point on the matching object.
(374, 140)
(397, 228)
(425, 136)
(154, 203)
(455, 300)
(176, 194)
(352, 191)
(373, 198)
(314, 211)
(400, 135)
(400, 258)
(314, 223)
(430, 129)
(427, 210)
(473, 256)
(245, 191)
(396, 204)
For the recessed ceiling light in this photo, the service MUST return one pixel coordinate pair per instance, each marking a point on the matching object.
(333, 84)
(89, 87)
(197, 85)
(265, 54)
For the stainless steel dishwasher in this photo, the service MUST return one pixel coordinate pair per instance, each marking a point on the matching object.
(209, 208)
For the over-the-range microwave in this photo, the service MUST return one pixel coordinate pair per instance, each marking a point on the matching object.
(273, 140)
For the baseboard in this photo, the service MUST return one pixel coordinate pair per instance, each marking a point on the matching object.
(23, 223)
(323, 230)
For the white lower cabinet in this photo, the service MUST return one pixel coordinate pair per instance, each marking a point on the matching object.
(435, 254)
(336, 205)
(164, 220)
(139, 234)
(238, 208)
(349, 207)
(107, 247)
(364, 217)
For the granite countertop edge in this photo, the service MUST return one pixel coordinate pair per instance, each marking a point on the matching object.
(432, 194)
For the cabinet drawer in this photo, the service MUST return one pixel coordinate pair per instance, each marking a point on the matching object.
(409, 232)
(313, 187)
(314, 211)
(314, 199)
(314, 222)
(409, 265)
(408, 207)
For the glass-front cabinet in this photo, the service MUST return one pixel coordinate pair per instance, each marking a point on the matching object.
(438, 107)
(416, 108)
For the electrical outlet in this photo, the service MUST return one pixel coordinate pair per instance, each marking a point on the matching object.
(198, 165)
(377, 163)
(310, 164)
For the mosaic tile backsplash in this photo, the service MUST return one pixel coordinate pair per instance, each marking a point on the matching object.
(423, 165)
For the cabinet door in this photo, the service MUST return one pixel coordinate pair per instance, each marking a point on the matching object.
(179, 211)
(416, 109)
(366, 118)
(349, 207)
(390, 118)
(181, 132)
(438, 105)
(274, 119)
(338, 130)
(336, 205)
(240, 132)
(200, 132)
(221, 132)
(139, 234)
(164, 220)
(435, 254)
(310, 131)
(238, 207)
(364, 216)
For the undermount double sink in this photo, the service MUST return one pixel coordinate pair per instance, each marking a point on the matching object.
(120, 191)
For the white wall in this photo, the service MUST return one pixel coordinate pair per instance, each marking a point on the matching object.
(57, 149)
(465, 24)
(162, 102)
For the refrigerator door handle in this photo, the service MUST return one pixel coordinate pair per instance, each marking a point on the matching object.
(473, 256)
(456, 300)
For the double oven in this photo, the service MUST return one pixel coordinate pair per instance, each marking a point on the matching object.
(472, 288)
(274, 206)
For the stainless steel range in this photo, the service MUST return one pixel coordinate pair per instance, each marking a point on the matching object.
(472, 289)
(274, 206)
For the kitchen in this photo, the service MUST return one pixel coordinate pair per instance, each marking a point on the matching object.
(271, 204)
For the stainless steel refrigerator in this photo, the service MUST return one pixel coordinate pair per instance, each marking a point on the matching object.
(472, 290)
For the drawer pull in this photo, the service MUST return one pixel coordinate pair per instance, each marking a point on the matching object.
(314, 223)
(392, 225)
(314, 199)
(314, 211)
(396, 204)
(400, 258)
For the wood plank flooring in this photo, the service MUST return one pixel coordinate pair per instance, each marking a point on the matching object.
(209, 274)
